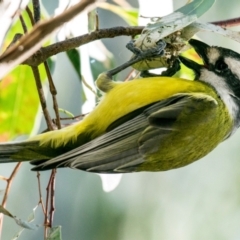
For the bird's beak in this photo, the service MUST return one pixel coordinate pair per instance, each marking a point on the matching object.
(201, 49)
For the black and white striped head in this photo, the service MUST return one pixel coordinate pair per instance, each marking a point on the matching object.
(220, 69)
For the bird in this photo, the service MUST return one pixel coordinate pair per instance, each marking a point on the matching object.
(146, 124)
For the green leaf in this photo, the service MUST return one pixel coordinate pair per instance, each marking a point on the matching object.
(92, 16)
(19, 102)
(199, 26)
(98, 67)
(55, 233)
(26, 224)
(69, 114)
(130, 15)
(51, 64)
(31, 217)
(196, 7)
(74, 57)
(179, 19)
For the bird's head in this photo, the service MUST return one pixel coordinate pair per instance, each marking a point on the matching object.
(221, 70)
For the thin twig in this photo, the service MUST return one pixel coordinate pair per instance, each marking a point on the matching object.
(36, 10)
(54, 93)
(40, 194)
(9, 184)
(80, 117)
(233, 22)
(30, 15)
(75, 42)
(42, 97)
(88, 86)
(3, 178)
(52, 210)
(53, 174)
(24, 26)
(16, 37)
(46, 220)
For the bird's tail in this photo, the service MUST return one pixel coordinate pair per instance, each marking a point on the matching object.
(9, 151)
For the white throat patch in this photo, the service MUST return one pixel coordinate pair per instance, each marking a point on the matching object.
(222, 89)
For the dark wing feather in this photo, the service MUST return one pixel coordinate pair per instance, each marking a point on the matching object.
(123, 148)
(8, 150)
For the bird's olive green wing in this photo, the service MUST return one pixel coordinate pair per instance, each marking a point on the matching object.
(124, 148)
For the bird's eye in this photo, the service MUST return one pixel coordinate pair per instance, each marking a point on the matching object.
(221, 65)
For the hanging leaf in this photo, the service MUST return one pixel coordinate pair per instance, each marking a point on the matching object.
(26, 224)
(197, 26)
(69, 114)
(92, 20)
(74, 57)
(55, 233)
(23, 224)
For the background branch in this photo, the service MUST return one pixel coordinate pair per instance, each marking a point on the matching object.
(32, 41)
(68, 44)
(9, 183)
(75, 42)
(36, 10)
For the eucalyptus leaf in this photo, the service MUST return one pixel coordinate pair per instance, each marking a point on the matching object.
(92, 16)
(171, 23)
(31, 217)
(74, 57)
(182, 16)
(69, 114)
(199, 26)
(55, 233)
(26, 224)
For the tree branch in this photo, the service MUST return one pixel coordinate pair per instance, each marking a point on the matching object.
(31, 42)
(75, 42)
(233, 22)
(42, 97)
(36, 10)
(9, 183)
